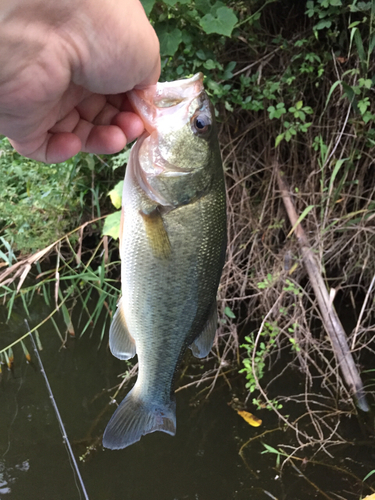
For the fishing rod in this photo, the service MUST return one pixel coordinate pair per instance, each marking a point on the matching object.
(62, 428)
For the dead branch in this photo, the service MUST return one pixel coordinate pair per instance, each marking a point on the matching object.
(330, 319)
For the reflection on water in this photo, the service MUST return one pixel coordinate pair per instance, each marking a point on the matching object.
(7, 475)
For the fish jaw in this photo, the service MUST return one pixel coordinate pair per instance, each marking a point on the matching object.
(156, 104)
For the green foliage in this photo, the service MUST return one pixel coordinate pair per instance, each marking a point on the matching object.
(292, 288)
(112, 222)
(295, 123)
(221, 21)
(257, 353)
(267, 282)
(180, 25)
(228, 312)
(112, 225)
(327, 11)
(39, 202)
(192, 35)
(121, 159)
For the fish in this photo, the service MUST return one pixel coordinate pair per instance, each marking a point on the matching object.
(172, 247)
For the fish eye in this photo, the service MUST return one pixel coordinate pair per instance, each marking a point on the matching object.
(201, 123)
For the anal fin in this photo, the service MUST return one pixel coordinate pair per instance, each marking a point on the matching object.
(203, 343)
(121, 343)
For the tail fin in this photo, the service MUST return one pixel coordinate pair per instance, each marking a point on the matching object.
(134, 418)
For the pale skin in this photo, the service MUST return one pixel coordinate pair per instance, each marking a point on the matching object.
(65, 68)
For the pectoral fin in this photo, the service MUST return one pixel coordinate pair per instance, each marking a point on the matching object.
(157, 235)
(202, 344)
(121, 343)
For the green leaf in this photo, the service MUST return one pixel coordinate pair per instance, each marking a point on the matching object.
(270, 449)
(323, 24)
(359, 43)
(209, 64)
(279, 138)
(201, 54)
(217, 5)
(222, 23)
(148, 5)
(288, 135)
(228, 312)
(369, 475)
(121, 159)
(308, 110)
(363, 105)
(116, 194)
(228, 72)
(112, 225)
(214, 86)
(186, 37)
(338, 165)
(169, 40)
(300, 219)
(203, 6)
(90, 162)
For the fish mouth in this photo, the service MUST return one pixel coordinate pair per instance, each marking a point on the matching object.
(160, 101)
(162, 107)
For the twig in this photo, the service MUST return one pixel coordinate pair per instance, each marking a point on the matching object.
(330, 319)
(362, 311)
(310, 482)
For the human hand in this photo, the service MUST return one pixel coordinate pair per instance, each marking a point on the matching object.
(65, 69)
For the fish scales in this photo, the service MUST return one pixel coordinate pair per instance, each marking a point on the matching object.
(173, 302)
(173, 239)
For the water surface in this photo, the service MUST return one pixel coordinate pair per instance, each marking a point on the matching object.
(201, 462)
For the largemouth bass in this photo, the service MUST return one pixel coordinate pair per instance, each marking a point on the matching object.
(172, 245)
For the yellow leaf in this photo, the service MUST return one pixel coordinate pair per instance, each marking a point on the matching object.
(370, 497)
(250, 418)
(116, 194)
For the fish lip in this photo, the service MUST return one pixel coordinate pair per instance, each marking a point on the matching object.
(171, 96)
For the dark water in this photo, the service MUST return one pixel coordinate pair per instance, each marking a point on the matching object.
(201, 462)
